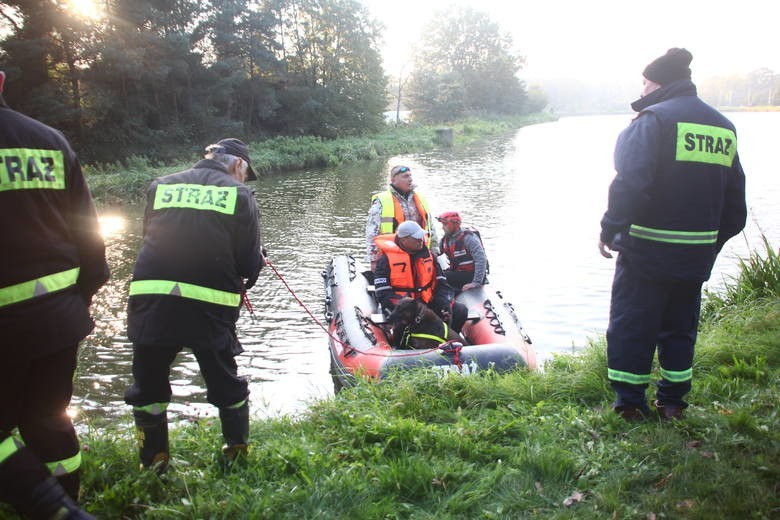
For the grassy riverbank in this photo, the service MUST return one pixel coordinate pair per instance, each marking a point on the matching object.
(523, 445)
(127, 181)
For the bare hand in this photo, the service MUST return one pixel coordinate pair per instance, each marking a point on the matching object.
(603, 249)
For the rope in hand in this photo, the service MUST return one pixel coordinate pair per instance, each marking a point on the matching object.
(245, 301)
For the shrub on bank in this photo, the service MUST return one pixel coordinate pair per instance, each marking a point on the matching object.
(125, 181)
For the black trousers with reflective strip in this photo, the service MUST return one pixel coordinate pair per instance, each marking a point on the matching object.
(34, 396)
(644, 315)
(151, 370)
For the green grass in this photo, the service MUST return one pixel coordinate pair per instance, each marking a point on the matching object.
(126, 181)
(522, 445)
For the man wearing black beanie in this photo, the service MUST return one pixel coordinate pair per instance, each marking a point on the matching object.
(678, 196)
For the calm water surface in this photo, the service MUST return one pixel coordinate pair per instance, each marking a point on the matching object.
(536, 195)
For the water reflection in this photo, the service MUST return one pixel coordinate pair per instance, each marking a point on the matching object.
(537, 196)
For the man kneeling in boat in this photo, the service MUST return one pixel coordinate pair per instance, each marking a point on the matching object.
(405, 267)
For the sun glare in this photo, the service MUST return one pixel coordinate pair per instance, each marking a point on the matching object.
(86, 8)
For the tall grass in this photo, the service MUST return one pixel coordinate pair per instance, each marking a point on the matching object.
(758, 279)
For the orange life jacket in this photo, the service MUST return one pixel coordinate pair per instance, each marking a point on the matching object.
(416, 279)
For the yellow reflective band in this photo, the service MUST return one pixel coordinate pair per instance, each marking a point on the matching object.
(31, 169)
(237, 405)
(677, 377)
(628, 377)
(8, 447)
(63, 467)
(185, 290)
(388, 212)
(705, 144)
(221, 199)
(152, 409)
(431, 336)
(674, 237)
(38, 287)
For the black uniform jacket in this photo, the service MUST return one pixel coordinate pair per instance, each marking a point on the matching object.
(659, 187)
(203, 247)
(45, 230)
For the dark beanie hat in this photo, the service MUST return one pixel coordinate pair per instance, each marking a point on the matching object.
(672, 66)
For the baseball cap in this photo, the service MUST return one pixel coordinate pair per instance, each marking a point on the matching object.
(237, 147)
(410, 228)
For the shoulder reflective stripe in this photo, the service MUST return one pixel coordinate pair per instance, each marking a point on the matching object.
(237, 405)
(628, 377)
(152, 409)
(8, 447)
(31, 169)
(677, 377)
(65, 466)
(705, 144)
(674, 237)
(185, 290)
(221, 199)
(38, 287)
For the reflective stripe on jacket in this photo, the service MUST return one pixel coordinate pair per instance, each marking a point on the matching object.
(38, 287)
(455, 249)
(414, 279)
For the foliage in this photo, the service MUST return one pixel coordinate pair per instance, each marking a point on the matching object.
(124, 181)
(758, 280)
(464, 65)
(151, 77)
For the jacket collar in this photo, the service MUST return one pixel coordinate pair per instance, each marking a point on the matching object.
(683, 87)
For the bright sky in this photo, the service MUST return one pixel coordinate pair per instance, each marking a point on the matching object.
(606, 39)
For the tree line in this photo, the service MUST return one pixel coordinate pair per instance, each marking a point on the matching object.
(154, 77)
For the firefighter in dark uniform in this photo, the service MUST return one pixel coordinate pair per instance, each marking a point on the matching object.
(52, 263)
(201, 250)
(405, 267)
(678, 196)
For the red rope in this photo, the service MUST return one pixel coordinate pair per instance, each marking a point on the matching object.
(324, 328)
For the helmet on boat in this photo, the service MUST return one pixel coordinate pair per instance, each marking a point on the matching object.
(449, 216)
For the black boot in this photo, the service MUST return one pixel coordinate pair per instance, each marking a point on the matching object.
(152, 435)
(27, 485)
(235, 430)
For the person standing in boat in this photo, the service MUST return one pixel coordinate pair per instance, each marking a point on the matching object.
(678, 196)
(465, 252)
(53, 262)
(398, 203)
(201, 251)
(405, 267)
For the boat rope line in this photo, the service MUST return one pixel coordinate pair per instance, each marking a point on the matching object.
(444, 347)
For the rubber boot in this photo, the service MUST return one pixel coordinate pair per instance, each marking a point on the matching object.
(27, 485)
(235, 430)
(152, 435)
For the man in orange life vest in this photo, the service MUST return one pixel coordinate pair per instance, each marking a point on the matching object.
(398, 203)
(464, 250)
(405, 267)
(52, 264)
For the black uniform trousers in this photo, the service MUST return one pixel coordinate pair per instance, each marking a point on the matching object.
(151, 370)
(34, 396)
(645, 314)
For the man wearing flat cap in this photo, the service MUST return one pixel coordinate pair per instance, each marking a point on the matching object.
(678, 196)
(398, 203)
(201, 251)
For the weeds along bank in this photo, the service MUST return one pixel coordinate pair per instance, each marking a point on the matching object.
(523, 445)
(127, 180)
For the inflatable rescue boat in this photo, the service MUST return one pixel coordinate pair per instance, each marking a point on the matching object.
(358, 335)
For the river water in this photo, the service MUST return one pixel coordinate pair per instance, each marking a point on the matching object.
(537, 196)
